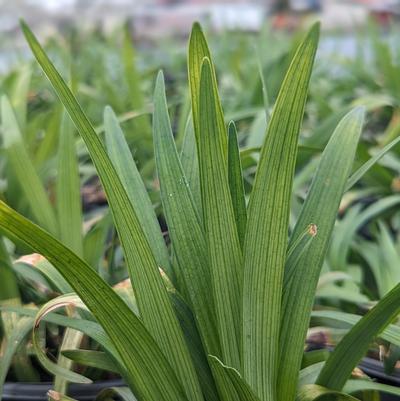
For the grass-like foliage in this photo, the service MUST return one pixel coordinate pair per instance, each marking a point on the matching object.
(221, 314)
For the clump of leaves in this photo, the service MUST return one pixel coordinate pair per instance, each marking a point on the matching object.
(227, 317)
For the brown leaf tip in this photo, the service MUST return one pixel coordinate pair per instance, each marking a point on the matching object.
(33, 259)
(54, 395)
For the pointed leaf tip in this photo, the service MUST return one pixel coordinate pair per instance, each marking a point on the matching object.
(196, 27)
(206, 62)
(160, 85)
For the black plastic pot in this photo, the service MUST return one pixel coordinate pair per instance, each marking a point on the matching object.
(38, 391)
(374, 369)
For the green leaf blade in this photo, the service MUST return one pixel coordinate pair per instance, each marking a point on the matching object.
(69, 208)
(267, 226)
(320, 208)
(153, 301)
(356, 342)
(24, 169)
(147, 369)
(219, 221)
(125, 166)
(235, 179)
(183, 221)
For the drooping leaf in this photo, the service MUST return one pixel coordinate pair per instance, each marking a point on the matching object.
(267, 226)
(61, 370)
(147, 370)
(153, 301)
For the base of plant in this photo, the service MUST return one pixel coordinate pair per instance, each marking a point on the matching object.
(38, 391)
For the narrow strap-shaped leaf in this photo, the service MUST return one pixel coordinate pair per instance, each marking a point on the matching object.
(183, 222)
(309, 374)
(391, 333)
(121, 156)
(267, 226)
(231, 385)
(358, 174)
(153, 301)
(39, 263)
(9, 291)
(295, 251)
(235, 179)
(141, 124)
(22, 165)
(313, 392)
(95, 359)
(94, 240)
(198, 50)
(147, 369)
(190, 164)
(61, 370)
(87, 327)
(355, 343)
(354, 386)
(19, 93)
(219, 222)
(320, 207)
(69, 208)
(340, 248)
(196, 348)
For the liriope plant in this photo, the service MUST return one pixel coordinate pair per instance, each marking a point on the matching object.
(222, 314)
